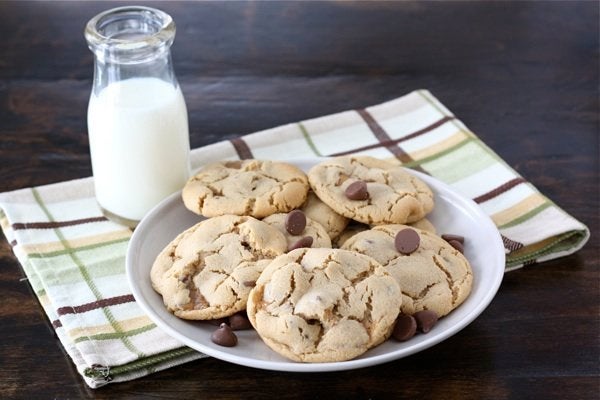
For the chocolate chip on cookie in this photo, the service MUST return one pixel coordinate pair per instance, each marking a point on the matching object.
(311, 228)
(295, 222)
(357, 191)
(407, 241)
(306, 241)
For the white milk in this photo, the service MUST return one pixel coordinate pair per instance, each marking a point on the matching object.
(139, 143)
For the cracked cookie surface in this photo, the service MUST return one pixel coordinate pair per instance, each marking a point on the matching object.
(435, 277)
(257, 188)
(207, 271)
(394, 195)
(323, 305)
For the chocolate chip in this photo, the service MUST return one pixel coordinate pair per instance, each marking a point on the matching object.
(249, 283)
(224, 336)
(407, 240)
(457, 245)
(405, 328)
(306, 241)
(357, 191)
(426, 319)
(295, 222)
(239, 322)
(449, 236)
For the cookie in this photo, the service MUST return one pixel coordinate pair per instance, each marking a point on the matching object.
(323, 305)
(320, 237)
(371, 191)
(250, 187)
(435, 276)
(425, 225)
(315, 209)
(207, 271)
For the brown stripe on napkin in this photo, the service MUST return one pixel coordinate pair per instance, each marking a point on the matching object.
(112, 301)
(510, 244)
(499, 190)
(56, 224)
(241, 148)
(386, 143)
(386, 140)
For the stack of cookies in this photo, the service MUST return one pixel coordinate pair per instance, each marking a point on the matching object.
(324, 265)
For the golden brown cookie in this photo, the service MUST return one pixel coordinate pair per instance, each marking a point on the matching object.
(315, 209)
(256, 188)
(370, 190)
(207, 271)
(323, 305)
(435, 276)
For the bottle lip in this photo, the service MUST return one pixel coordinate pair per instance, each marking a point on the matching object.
(145, 28)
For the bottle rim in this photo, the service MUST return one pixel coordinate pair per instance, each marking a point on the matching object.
(161, 32)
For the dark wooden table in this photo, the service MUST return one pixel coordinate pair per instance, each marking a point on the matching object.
(522, 75)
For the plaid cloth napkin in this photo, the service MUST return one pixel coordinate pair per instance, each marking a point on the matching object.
(74, 258)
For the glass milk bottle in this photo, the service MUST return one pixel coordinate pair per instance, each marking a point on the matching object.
(137, 117)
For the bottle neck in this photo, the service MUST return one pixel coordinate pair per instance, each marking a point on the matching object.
(131, 42)
(108, 70)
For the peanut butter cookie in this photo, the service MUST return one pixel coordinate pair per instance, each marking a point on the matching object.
(371, 191)
(315, 209)
(257, 188)
(207, 271)
(323, 305)
(433, 275)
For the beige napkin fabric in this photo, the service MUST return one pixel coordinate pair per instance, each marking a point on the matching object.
(74, 258)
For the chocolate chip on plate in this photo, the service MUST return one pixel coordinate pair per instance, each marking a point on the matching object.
(449, 236)
(357, 191)
(306, 241)
(239, 322)
(224, 336)
(407, 240)
(426, 319)
(457, 245)
(405, 327)
(295, 222)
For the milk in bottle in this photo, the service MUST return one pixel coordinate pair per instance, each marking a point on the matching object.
(137, 117)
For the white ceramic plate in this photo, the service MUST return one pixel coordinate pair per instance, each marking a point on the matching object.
(452, 214)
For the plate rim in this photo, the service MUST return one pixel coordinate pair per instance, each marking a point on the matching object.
(174, 200)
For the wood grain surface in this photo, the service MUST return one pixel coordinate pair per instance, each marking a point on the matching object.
(522, 75)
